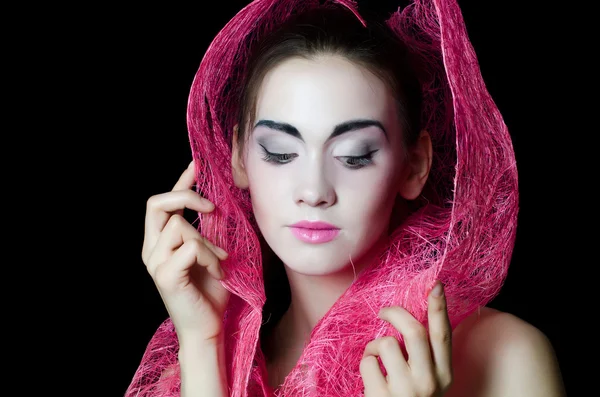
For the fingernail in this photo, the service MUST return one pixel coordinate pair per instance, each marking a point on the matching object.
(437, 290)
(221, 251)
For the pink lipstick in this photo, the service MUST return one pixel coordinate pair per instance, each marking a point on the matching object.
(314, 232)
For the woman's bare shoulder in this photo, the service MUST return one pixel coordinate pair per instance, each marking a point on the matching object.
(498, 354)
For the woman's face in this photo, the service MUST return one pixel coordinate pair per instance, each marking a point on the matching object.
(326, 147)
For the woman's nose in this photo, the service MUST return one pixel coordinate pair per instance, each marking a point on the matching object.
(315, 189)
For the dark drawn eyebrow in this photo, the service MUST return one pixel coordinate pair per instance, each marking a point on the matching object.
(351, 125)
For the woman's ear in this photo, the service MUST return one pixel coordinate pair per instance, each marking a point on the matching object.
(240, 178)
(417, 167)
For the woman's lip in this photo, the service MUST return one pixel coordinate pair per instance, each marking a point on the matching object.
(314, 225)
(314, 236)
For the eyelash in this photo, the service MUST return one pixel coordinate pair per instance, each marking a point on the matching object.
(360, 161)
(277, 158)
(284, 158)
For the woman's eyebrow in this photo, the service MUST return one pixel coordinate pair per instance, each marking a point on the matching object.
(350, 125)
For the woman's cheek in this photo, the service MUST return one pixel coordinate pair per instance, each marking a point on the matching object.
(268, 185)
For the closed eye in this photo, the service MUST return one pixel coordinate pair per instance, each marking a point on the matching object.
(277, 158)
(356, 162)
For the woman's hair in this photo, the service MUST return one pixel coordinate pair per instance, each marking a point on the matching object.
(309, 35)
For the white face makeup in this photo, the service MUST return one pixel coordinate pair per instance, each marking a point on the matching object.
(326, 146)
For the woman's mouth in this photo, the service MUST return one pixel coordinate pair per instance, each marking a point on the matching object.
(314, 232)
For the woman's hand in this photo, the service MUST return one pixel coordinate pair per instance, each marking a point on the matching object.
(428, 370)
(184, 265)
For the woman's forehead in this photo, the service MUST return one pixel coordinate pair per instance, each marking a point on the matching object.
(328, 90)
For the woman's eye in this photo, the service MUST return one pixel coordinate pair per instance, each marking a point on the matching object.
(277, 158)
(356, 162)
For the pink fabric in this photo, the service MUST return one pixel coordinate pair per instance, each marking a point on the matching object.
(466, 241)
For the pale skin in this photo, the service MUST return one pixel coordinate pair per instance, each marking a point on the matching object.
(318, 179)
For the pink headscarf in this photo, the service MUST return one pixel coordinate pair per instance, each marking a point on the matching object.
(466, 242)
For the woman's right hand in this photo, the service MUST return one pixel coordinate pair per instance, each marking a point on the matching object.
(184, 265)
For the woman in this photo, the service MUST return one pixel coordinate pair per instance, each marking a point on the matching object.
(347, 170)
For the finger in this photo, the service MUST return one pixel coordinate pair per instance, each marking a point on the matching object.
(415, 341)
(175, 271)
(440, 333)
(388, 349)
(373, 380)
(176, 233)
(161, 207)
(187, 178)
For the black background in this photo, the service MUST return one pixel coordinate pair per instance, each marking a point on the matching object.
(135, 76)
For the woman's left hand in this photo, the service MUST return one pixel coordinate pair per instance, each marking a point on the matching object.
(428, 370)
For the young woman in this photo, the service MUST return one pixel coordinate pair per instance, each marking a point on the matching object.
(357, 197)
